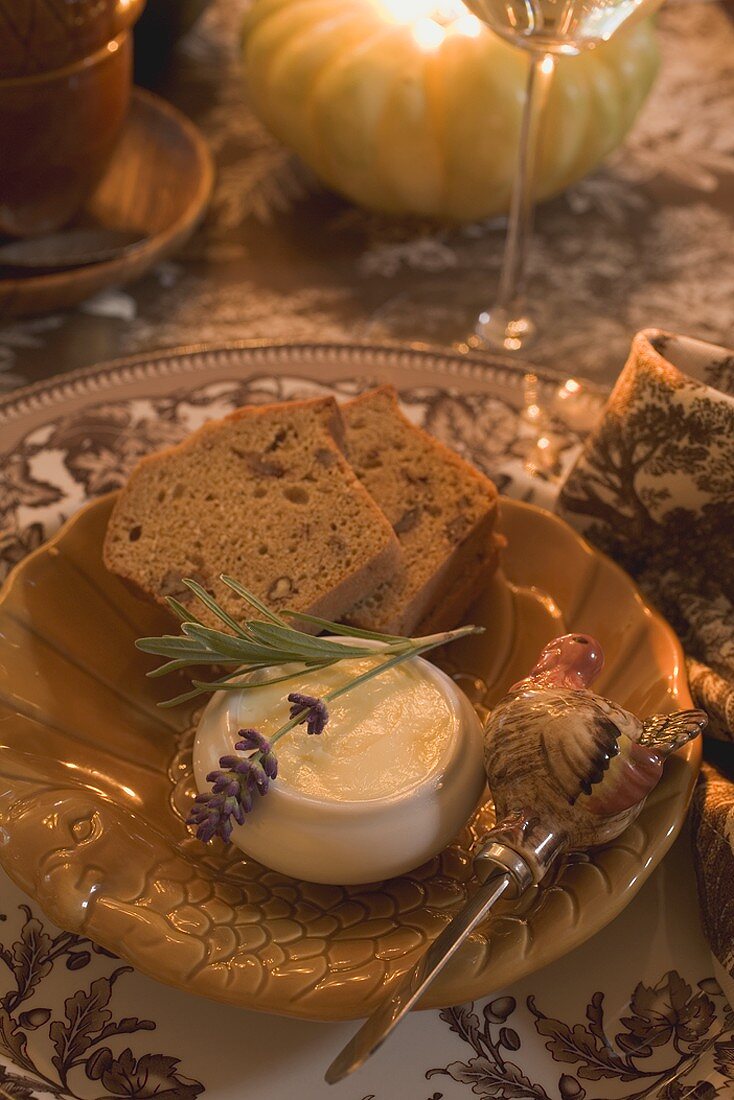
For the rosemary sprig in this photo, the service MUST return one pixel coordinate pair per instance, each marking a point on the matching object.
(257, 644)
(253, 646)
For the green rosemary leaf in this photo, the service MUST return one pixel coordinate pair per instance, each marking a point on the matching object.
(170, 646)
(252, 599)
(223, 683)
(182, 612)
(244, 685)
(285, 638)
(209, 601)
(185, 697)
(201, 687)
(238, 649)
(270, 643)
(341, 629)
(176, 665)
(239, 671)
(204, 687)
(169, 666)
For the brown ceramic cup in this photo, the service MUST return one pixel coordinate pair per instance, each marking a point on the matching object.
(63, 102)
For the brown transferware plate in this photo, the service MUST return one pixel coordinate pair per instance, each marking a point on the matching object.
(95, 780)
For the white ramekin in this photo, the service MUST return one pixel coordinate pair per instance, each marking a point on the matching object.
(353, 842)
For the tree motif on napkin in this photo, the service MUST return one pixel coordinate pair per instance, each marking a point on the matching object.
(654, 488)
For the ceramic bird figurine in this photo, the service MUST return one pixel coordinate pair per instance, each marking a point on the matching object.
(567, 770)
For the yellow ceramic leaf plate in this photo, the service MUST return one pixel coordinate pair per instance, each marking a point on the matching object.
(95, 779)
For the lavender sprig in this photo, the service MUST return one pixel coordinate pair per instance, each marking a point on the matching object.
(316, 715)
(233, 787)
(238, 779)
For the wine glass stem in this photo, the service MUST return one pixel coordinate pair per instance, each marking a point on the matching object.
(511, 290)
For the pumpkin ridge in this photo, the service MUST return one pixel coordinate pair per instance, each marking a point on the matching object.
(399, 117)
(433, 75)
(341, 64)
(295, 45)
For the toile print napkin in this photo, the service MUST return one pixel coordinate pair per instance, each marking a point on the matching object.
(654, 488)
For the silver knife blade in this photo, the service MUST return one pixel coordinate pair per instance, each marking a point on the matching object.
(385, 1019)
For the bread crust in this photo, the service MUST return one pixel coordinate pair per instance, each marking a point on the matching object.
(451, 608)
(455, 509)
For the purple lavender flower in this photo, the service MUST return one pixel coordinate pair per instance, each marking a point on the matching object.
(252, 739)
(317, 715)
(234, 784)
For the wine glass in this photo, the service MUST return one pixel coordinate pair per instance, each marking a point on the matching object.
(547, 29)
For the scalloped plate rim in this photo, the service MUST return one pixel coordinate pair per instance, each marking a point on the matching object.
(446, 361)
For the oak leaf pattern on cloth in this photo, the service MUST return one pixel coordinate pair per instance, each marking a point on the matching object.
(712, 827)
(80, 1037)
(670, 1027)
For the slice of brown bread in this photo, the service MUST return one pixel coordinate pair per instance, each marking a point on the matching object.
(441, 508)
(264, 495)
(452, 605)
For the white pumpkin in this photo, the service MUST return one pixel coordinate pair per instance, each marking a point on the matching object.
(415, 113)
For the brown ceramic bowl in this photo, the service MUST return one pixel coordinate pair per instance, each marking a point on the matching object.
(57, 133)
(42, 37)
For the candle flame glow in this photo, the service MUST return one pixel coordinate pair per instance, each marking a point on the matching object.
(428, 34)
(432, 21)
(468, 25)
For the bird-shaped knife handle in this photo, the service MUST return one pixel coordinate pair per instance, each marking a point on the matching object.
(567, 770)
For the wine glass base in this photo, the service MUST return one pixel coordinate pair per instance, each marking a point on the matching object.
(499, 330)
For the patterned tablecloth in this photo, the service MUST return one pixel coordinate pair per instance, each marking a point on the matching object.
(645, 240)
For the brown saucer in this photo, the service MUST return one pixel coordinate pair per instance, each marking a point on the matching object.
(157, 185)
